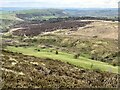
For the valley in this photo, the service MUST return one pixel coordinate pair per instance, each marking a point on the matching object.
(59, 50)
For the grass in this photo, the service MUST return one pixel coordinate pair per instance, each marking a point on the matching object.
(9, 16)
(65, 57)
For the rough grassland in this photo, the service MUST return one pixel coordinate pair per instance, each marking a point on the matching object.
(65, 57)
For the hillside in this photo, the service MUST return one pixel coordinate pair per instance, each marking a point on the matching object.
(12, 16)
(40, 14)
(36, 29)
(60, 48)
(97, 28)
(83, 38)
(22, 71)
(109, 13)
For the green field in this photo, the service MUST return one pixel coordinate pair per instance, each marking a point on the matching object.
(65, 57)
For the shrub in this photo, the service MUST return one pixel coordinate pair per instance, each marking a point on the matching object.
(114, 62)
(50, 50)
(16, 46)
(34, 40)
(76, 56)
(91, 66)
(35, 49)
(97, 70)
(95, 36)
(94, 57)
(38, 50)
(56, 52)
(20, 53)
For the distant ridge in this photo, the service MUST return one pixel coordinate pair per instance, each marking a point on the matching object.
(26, 8)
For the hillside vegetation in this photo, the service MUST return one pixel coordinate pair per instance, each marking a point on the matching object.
(43, 14)
(22, 71)
(11, 18)
(54, 48)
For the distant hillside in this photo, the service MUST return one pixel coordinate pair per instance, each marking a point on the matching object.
(45, 14)
(110, 13)
(40, 14)
(12, 16)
